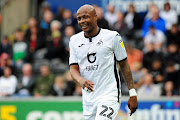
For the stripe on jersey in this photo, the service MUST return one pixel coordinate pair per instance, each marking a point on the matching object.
(73, 64)
(117, 78)
(122, 60)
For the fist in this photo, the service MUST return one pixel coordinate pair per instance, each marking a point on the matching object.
(132, 104)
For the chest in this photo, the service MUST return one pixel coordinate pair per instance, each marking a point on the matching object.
(96, 48)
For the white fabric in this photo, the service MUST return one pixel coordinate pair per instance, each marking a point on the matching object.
(159, 37)
(19, 47)
(25, 80)
(94, 112)
(8, 85)
(99, 68)
(170, 17)
(129, 20)
(132, 92)
(149, 92)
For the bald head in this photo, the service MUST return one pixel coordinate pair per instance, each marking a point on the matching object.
(87, 9)
(87, 20)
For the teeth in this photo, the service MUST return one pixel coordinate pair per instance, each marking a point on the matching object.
(83, 25)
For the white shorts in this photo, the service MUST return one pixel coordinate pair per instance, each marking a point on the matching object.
(101, 111)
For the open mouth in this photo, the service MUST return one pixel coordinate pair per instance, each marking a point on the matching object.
(83, 26)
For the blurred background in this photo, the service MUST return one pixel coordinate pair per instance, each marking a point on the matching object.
(35, 82)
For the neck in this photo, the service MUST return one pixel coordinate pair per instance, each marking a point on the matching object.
(93, 32)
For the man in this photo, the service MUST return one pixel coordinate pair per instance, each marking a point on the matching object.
(26, 82)
(43, 82)
(94, 53)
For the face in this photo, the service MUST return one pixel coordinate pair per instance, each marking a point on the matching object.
(27, 70)
(167, 7)
(86, 20)
(148, 80)
(45, 71)
(172, 48)
(48, 16)
(169, 86)
(7, 72)
(32, 22)
(156, 64)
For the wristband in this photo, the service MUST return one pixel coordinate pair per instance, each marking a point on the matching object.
(132, 92)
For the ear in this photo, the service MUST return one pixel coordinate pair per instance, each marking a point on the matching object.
(95, 17)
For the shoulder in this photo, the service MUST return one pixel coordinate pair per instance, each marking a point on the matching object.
(76, 36)
(110, 33)
(13, 77)
(161, 20)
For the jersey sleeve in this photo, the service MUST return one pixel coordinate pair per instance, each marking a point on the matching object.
(119, 48)
(73, 56)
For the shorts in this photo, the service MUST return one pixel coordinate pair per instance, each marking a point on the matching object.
(101, 111)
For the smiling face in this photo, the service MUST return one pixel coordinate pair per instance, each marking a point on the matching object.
(87, 18)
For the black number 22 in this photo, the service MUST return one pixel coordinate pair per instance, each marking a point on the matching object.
(106, 109)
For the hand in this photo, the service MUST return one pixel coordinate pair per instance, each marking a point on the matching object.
(132, 104)
(87, 83)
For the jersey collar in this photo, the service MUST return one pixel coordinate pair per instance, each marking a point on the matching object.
(93, 35)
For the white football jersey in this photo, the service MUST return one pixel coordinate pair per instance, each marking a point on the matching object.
(97, 58)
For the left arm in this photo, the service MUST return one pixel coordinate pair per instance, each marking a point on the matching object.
(127, 75)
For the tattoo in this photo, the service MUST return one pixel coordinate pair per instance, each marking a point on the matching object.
(126, 73)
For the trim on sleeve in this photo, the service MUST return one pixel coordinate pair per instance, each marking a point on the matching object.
(122, 59)
(73, 64)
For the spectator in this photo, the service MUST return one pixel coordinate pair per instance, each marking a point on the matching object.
(133, 55)
(56, 48)
(8, 83)
(32, 22)
(168, 89)
(55, 26)
(5, 61)
(47, 18)
(132, 19)
(173, 35)
(120, 26)
(35, 40)
(152, 7)
(148, 89)
(157, 38)
(138, 74)
(20, 49)
(59, 15)
(151, 55)
(43, 82)
(172, 74)
(156, 21)
(45, 6)
(68, 19)
(101, 21)
(71, 85)
(34, 35)
(45, 24)
(157, 71)
(5, 46)
(26, 82)
(78, 90)
(69, 31)
(169, 15)
(59, 87)
(173, 53)
(111, 15)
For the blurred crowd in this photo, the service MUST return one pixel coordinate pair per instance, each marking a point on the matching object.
(35, 63)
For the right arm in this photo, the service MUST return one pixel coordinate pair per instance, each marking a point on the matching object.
(74, 70)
